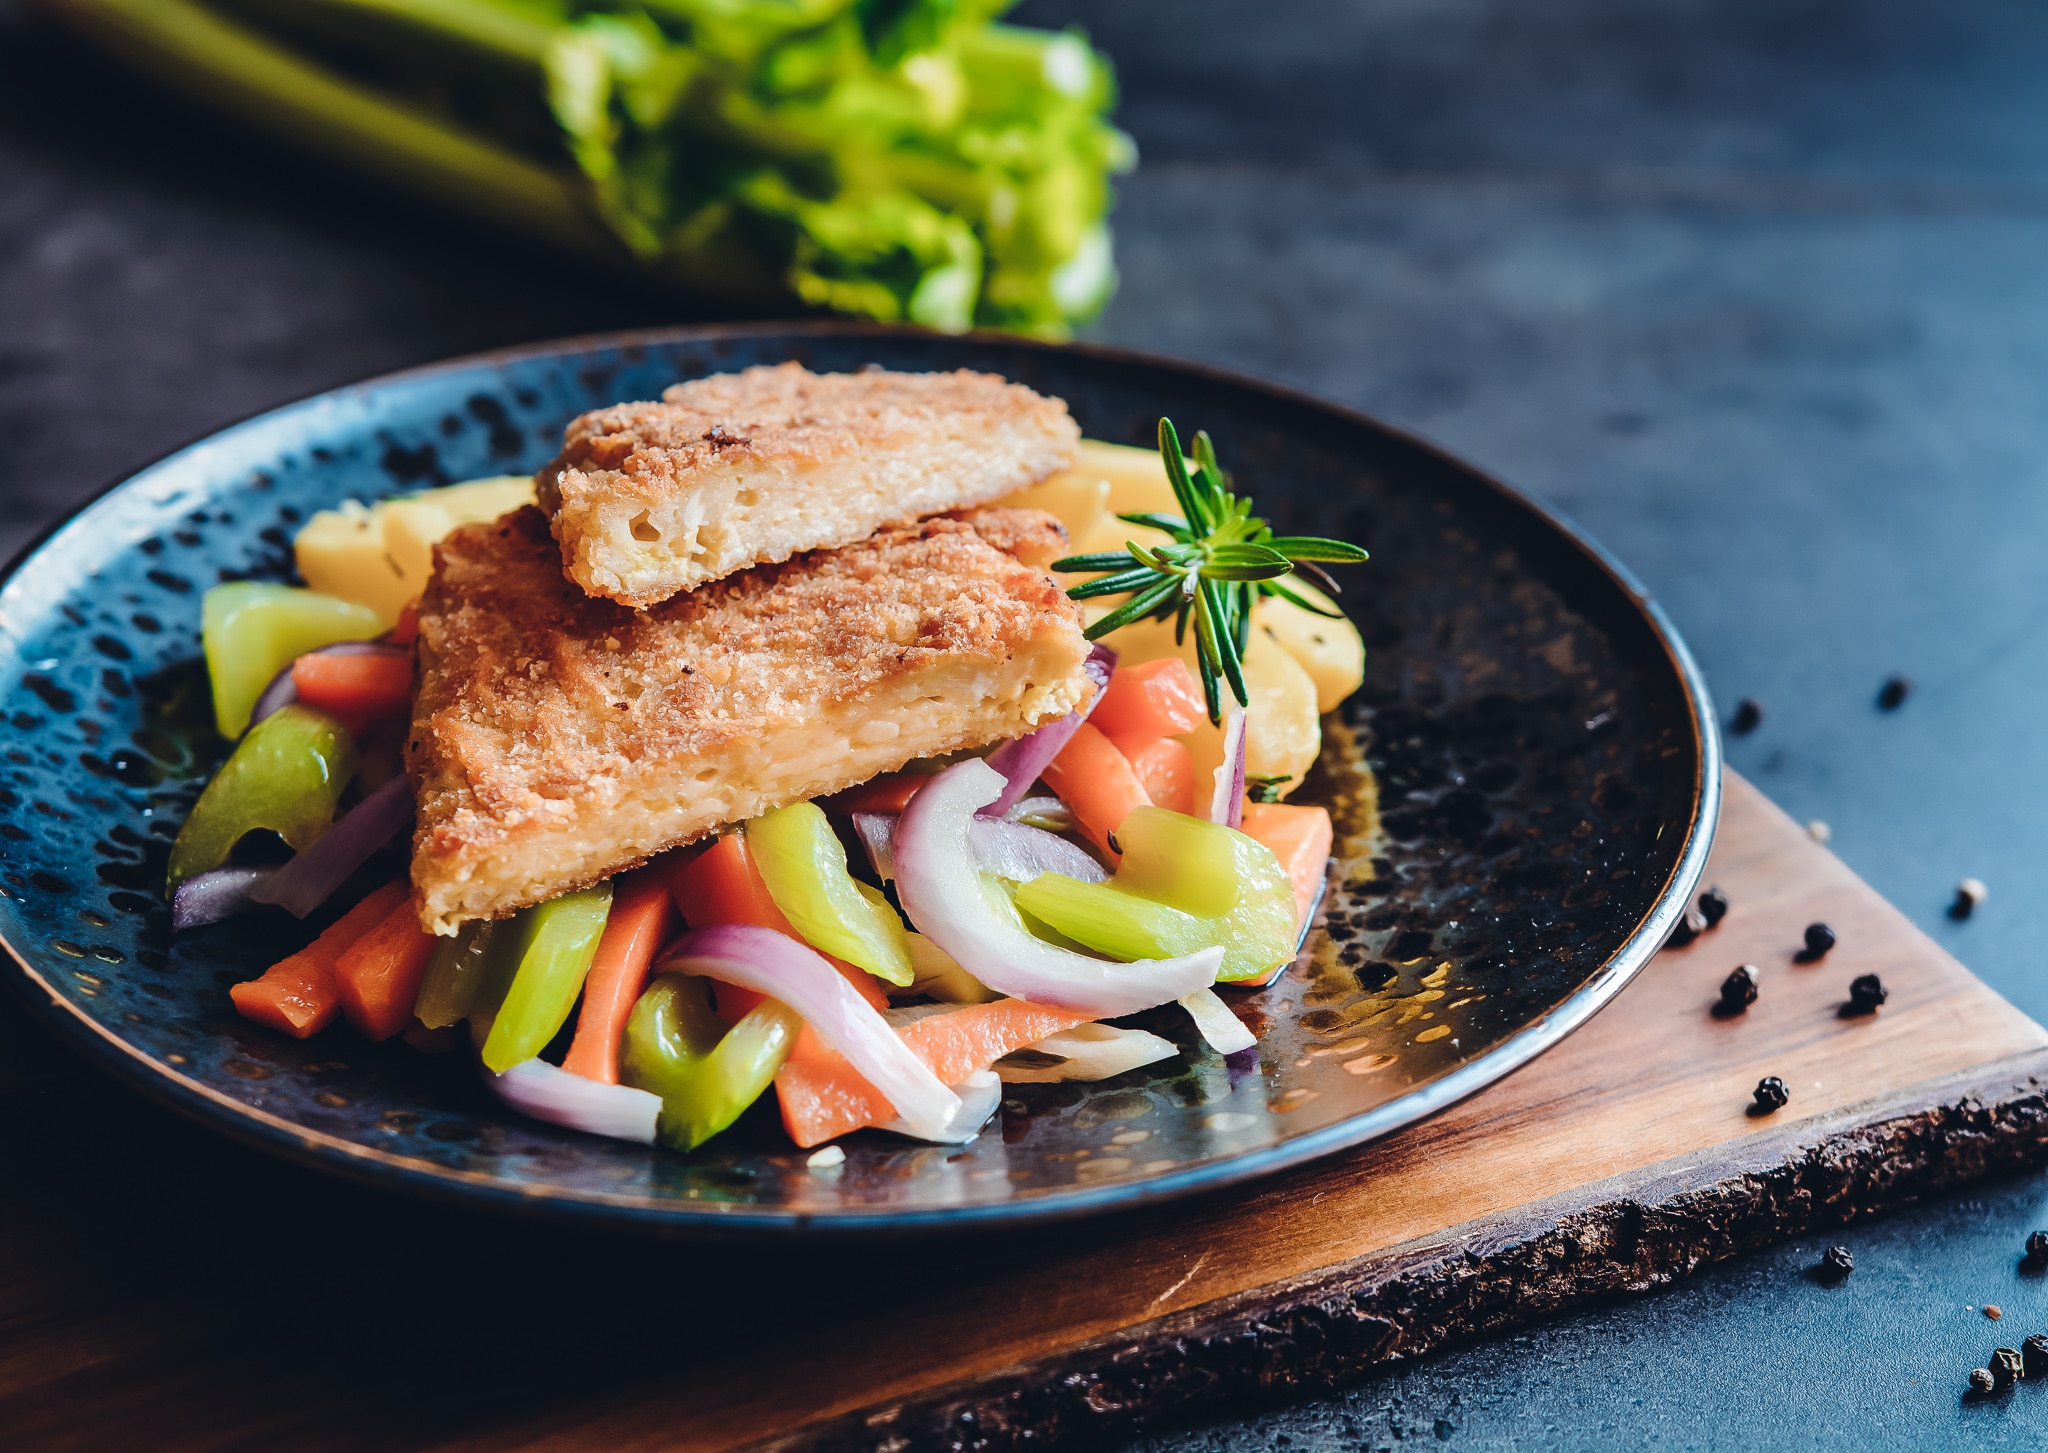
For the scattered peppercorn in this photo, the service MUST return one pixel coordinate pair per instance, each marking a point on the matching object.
(1738, 990)
(1837, 1263)
(1892, 695)
(1866, 992)
(1749, 715)
(1820, 937)
(1691, 924)
(1981, 1380)
(1969, 894)
(1771, 1094)
(2006, 1367)
(1993, 1311)
(1713, 907)
(2037, 1247)
(1819, 831)
(2034, 1355)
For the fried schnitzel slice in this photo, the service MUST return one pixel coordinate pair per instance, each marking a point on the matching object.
(751, 468)
(557, 739)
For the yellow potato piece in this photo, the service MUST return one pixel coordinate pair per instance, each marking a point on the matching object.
(1329, 650)
(1137, 480)
(382, 555)
(1073, 496)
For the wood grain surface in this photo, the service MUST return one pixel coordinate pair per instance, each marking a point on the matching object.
(1622, 1159)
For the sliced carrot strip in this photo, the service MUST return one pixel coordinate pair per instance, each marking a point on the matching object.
(406, 629)
(721, 885)
(1300, 838)
(378, 976)
(1096, 782)
(1153, 699)
(354, 690)
(891, 792)
(823, 1096)
(297, 995)
(1165, 768)
(642, 917)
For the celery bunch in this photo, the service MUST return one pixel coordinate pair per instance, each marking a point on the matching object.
(903, 160)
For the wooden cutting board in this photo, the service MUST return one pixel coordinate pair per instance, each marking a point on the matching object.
(1620, 1160)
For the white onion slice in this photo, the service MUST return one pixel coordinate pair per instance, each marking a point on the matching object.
(1224, 1031)
(777, 965)
(942, 890)
(1009, 850)
(548, 1092)
(1088, 1052)
(979, 1094)
(1226, 804)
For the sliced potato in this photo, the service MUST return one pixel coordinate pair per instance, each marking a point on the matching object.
(1329, 650)
(1137, 480)
(1283, 732)
(1075, 497)
(381, 555)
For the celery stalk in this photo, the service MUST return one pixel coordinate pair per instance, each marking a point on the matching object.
(803, 864)
(454, 976)
(556, 942)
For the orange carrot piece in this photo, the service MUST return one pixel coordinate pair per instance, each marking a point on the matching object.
(354, 690)
(823, 1096)
(891, 793)
(406, 629)
(1154, 699)
(297, 995)
(1300, 837)
(378, 976)
(1095, 780)
(642, 917)
(1165, 769)
(721, 885)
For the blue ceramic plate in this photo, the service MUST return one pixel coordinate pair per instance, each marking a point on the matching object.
(1524, 792)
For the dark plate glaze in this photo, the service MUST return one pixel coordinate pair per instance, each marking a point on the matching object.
(1544, 757)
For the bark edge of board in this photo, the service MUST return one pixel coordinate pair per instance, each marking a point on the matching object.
(1631, 1234)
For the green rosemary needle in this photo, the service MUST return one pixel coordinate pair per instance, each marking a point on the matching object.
(1222, 557)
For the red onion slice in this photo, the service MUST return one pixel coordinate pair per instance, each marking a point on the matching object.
(1021, 761)
(777, 965)
(1053, 815)
(1009, 850)
(1227, 804)
(1086, 1053)
(943, 891)
(222, 893)
(310, 879)
(281, 692)
(979, 1094)
(548, 1092)
(1224, 1031)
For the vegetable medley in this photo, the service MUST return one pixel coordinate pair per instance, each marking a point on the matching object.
(884, 957)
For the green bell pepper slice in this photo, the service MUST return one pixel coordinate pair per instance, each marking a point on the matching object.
(253, 629)
(554, 943)
(286, 776)
(678, 1048)
(1173, 862)
(803, 864)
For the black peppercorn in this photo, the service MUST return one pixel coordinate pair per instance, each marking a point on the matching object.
(1771, 1094)
(1738, 990)
(1689, 927)
(1893, 693)
(1713, 906)
(1819, 939)
(1866, 992)
(1837, 1263)
(2007, 1367)
(2037, 1247)
(1981, 1380)
(1749, 715)
(2034, 1355)
(1969, 893)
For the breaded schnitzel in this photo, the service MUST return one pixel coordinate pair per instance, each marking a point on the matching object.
(557, 739)
(750, 468)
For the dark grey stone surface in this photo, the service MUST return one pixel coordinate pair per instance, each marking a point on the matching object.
(1757, 291)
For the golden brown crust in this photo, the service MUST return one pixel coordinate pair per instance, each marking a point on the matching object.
(557, 739)
(648, 499)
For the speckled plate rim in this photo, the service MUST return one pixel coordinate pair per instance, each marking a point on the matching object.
(272, 1133)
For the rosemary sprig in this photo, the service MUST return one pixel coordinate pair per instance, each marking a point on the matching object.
(1221, 558)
